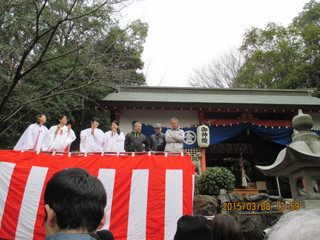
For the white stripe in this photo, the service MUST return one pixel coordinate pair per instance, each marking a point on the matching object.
(173, 202)
(6, 170)
(30, 202)
(107, 177)
(137, 219)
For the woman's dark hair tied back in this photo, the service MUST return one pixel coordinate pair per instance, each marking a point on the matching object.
(95, 119)
(39, 116)
(118, 129)
(225, 227)
(61, 116)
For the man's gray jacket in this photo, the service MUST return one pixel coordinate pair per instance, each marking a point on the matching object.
(174, 140)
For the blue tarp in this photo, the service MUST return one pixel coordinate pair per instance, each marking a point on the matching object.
(220, 133)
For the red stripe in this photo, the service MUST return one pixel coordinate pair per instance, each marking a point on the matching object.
(14, 199)
(120, 204)
(124, 165)
(39, 232)
(187, 194)
(156, 204)
(35, 145)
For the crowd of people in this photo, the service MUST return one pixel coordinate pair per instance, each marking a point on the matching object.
(59, 137)
(221, 227)
(75, 204)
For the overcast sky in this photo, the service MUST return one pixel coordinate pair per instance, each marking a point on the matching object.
(185, 35)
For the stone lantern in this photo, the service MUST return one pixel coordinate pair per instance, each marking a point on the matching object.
(300, 162)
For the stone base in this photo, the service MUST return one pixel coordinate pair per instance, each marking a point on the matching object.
(206, 205)
(309, 204)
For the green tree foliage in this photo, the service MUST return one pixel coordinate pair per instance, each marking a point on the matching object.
(279, 57)
(214, 179)
(120, 54)
(61, 57)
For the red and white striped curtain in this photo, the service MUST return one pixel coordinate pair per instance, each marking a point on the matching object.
(146, 194)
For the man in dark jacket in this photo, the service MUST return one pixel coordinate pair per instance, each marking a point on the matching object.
(135, 140)
(157, 140)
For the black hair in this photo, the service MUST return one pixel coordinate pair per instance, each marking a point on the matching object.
(61, 116)
(105, 235)
(77, 198)
(39, 116)
(193, 228)
(118, 129)
(225, 227)
(94, 119)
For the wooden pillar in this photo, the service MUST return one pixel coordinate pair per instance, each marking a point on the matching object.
(117, 115)
(201, 117)
(203, 160)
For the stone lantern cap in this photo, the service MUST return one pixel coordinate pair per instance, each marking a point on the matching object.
(296, 156)
(303, 152)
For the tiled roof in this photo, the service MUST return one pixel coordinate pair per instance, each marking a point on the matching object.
(212, 97)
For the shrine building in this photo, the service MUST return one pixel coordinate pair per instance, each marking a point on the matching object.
(253, 123)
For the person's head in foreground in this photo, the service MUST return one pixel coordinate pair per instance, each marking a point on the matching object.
(297, 225)
(225, 227)
(74, 203)
(193, 228)
(105, 235)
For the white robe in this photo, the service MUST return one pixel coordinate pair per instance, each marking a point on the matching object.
(89, 142)
(32, 138)
(60, 142)
(113, 143)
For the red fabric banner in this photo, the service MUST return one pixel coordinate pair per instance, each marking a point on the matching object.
(146, 194)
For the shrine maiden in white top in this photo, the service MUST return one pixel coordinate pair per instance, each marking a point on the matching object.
(32, 138)
(113, 140)
(59, 137)
(92, 138)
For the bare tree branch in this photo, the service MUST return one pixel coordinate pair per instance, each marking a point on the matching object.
(39, 14)
(220, 73)
(15, 122)
(88, 13)
(51, 92)
(19, 74)
(62, 55)
(91, 100)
